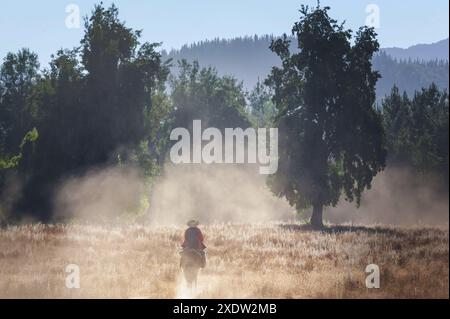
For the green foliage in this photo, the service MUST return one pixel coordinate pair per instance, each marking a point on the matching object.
(417, 130)
(200, 94)
(260, 106)
(14, 161)
(331, 137)
(121, 80)
(408, 75)
(18, 75)
(100, 104)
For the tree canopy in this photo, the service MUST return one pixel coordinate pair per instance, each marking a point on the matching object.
(201, 94)
(94, 105)
(331, 136)
(417, 130)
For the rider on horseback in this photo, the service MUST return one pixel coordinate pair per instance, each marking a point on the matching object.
(193, 239)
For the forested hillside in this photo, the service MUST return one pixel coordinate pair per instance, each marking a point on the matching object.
(422, 52)
(249, 58)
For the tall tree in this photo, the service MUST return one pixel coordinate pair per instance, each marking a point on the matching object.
(429, 116)
(18, 74)
(331, 136)
(122, 77)
(396, 110)
(98, 104)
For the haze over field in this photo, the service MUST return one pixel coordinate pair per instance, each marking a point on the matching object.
(224, 193)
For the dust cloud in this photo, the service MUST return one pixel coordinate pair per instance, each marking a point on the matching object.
(215, 193)
(238, 194)
(101, 195)
(398, 197)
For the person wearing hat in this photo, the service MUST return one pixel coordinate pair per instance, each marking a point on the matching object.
(193, 237)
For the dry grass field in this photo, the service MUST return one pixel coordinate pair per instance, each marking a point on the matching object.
(244, 261)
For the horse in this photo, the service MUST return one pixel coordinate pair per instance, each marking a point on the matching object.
(191, 262)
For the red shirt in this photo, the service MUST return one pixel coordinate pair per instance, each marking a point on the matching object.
(193, 238)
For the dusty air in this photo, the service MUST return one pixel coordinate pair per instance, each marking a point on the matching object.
(240, 146)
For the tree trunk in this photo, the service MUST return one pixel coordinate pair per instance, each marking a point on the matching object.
(316, 218)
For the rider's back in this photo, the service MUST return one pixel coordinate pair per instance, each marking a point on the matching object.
(193, 238)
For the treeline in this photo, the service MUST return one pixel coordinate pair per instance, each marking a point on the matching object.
(112, 101)
(409, 75)
(417, 130)
(96, 104)
(102, 103)
(248, 59)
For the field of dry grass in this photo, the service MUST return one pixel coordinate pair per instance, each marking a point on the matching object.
(244, 261)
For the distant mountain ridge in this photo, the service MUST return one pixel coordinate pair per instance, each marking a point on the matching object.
(423, 52)
(249, 59)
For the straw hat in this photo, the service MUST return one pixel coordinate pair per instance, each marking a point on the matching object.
(193, 223)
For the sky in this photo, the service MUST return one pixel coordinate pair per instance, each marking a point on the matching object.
(41, 25)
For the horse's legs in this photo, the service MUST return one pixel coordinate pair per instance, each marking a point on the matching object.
(189, 275)
(188, 279)
(195, 277)
(192, 278)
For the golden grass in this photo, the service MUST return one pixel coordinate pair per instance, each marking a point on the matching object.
(244, 261)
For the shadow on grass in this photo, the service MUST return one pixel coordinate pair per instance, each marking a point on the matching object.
(333, 229)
